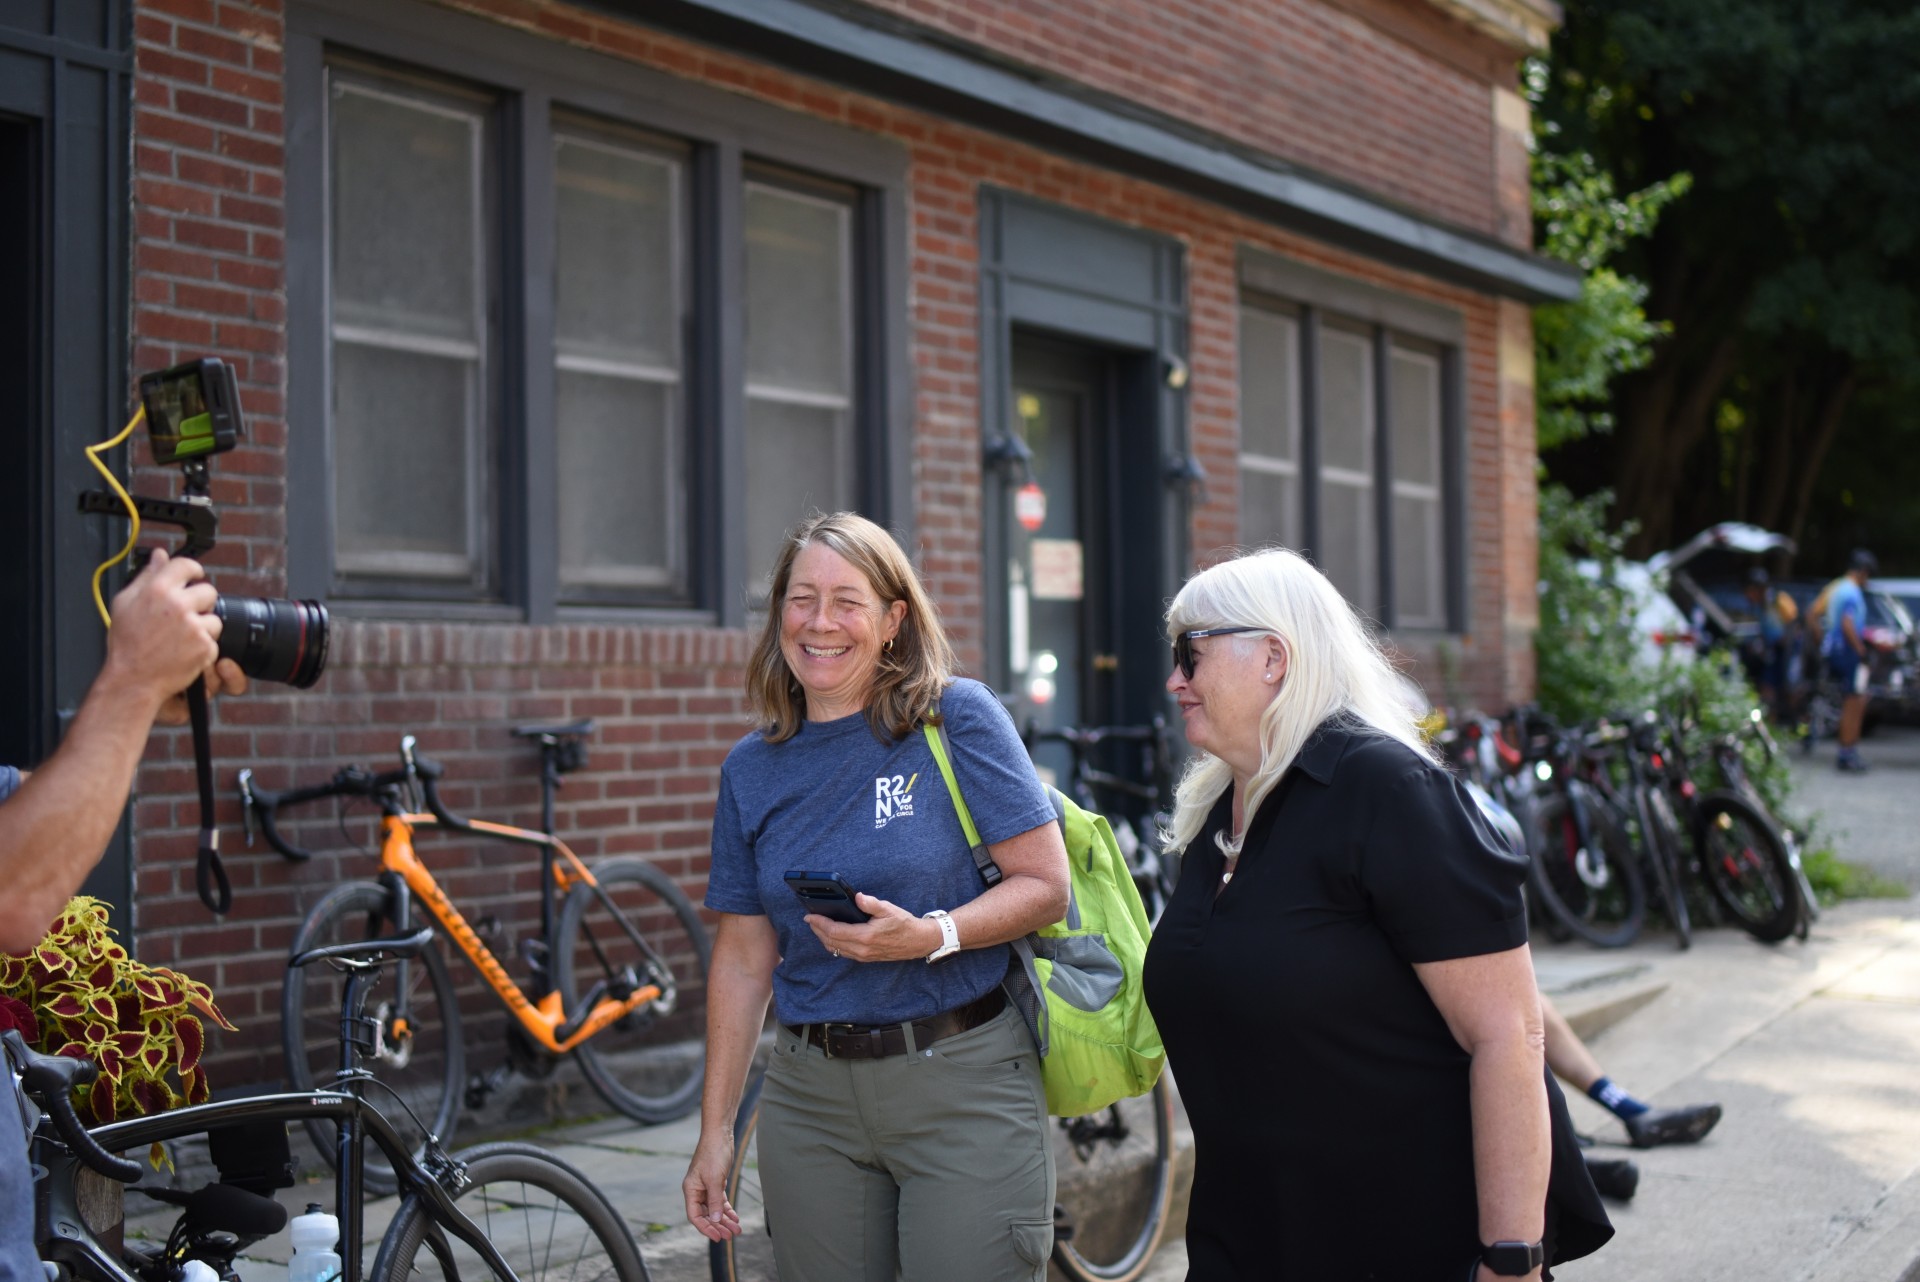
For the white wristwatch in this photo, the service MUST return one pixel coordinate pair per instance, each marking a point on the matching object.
(949, 935)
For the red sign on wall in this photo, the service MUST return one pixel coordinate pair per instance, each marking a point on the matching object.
(1030, 506)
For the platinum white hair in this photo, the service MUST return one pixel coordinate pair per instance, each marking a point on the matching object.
(1334, 669)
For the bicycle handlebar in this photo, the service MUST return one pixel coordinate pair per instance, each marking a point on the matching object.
(1093, 735)
(49, 1080)
(385, 787)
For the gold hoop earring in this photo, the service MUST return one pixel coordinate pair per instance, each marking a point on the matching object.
(888, 646)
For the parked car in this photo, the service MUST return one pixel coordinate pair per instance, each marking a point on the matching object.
(1905, 591)
(1665, 635)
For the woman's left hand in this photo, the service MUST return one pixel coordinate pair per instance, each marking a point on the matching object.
(891, 933)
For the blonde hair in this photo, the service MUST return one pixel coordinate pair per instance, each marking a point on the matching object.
(913, 671)
(1334, 669)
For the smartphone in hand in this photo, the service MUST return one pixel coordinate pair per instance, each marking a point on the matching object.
(826, 893)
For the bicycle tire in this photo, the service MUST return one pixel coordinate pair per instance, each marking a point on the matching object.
(1114, 1190)
(1747, 866)
(425, 1068)
(546, 1218)
(1660, 832)
(1608, 915)
(648, 1065)
(749, 1257)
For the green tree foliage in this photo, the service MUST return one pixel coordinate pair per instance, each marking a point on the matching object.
(1583, 345)
(1791, 272)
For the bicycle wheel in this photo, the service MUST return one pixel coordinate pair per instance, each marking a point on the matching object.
(1747, 866)
(544, 1217)
(1596, 893)
(650, 1063)
(418, 1056)
(749, 1256)
(1114, 1173)
(1660, 837)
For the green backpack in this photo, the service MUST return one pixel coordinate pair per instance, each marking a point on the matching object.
(1097, 1040)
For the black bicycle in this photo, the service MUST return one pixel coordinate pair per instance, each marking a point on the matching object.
(1585, 873)
(509, 1212)
(1743, 854)
(1126, 774)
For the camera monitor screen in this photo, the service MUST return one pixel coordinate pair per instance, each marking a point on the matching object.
(193, 410)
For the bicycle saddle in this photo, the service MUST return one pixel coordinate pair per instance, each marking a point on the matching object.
(571, 730)
(365, 954)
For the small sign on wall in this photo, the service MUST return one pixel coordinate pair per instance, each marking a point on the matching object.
(1057, 570)
(1030, 506)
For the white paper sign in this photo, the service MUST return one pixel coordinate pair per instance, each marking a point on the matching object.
(1057, 570)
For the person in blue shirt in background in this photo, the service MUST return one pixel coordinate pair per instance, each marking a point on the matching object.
(1845, 649)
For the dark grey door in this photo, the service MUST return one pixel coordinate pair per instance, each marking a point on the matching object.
(65, 72)
(1077, 564)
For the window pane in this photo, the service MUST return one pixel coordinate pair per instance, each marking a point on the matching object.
(1416, 418)
(620, 483)
(1346, 550)
(1417, 574)
(795, 465)
(616, 249)
(1269, 384)
(1346, 400)
(1269, 509)
(400, 474)
(405, 286)
(405, 186)
(617, 306)
(798, 300)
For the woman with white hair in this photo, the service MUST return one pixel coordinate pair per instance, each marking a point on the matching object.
(1342, 976)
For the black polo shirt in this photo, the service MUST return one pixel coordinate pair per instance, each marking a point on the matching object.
(1329, 1101)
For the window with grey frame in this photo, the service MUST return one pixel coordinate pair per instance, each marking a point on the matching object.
(620, 245)
(409, 234)
(1313, 387)
(424, 328)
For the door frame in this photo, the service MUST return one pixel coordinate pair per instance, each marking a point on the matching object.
(67, 85)
(1047, 270)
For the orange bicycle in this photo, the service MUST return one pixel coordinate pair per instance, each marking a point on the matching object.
(616, 977)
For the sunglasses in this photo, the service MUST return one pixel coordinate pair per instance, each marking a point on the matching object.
(1183, 655)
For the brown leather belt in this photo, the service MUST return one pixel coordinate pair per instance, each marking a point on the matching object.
(878, 1041)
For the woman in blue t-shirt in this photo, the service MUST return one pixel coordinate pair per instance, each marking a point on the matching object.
(902, 1125)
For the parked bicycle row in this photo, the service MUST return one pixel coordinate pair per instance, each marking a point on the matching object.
(1646, 810)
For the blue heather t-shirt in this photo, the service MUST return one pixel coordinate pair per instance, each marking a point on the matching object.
(836, 799)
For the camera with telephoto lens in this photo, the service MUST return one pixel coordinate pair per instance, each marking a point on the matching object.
(193, 413)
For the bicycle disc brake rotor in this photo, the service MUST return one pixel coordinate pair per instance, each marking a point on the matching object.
(1594, 872)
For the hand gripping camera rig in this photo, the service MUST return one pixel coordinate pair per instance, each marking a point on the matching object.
(193, 412)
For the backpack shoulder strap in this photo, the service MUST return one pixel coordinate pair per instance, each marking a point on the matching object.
(937, 741)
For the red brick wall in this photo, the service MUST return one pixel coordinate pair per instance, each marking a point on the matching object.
(209, 277)
(1389, 94)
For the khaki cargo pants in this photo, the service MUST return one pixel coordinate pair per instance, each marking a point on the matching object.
(932, 1166)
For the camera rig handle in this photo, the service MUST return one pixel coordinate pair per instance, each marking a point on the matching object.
(193, 514)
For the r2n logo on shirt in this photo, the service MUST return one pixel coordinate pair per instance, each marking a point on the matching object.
(892, 798)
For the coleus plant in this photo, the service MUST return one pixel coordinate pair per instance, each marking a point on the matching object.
(80, 993)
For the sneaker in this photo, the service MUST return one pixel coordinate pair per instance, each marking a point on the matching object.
(1614, 1177)
(1851, 765)
(1672, 1125)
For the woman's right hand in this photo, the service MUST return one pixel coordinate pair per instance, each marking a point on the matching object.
(705, 1188)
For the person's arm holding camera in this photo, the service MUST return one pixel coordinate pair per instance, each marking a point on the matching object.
(55, 828)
